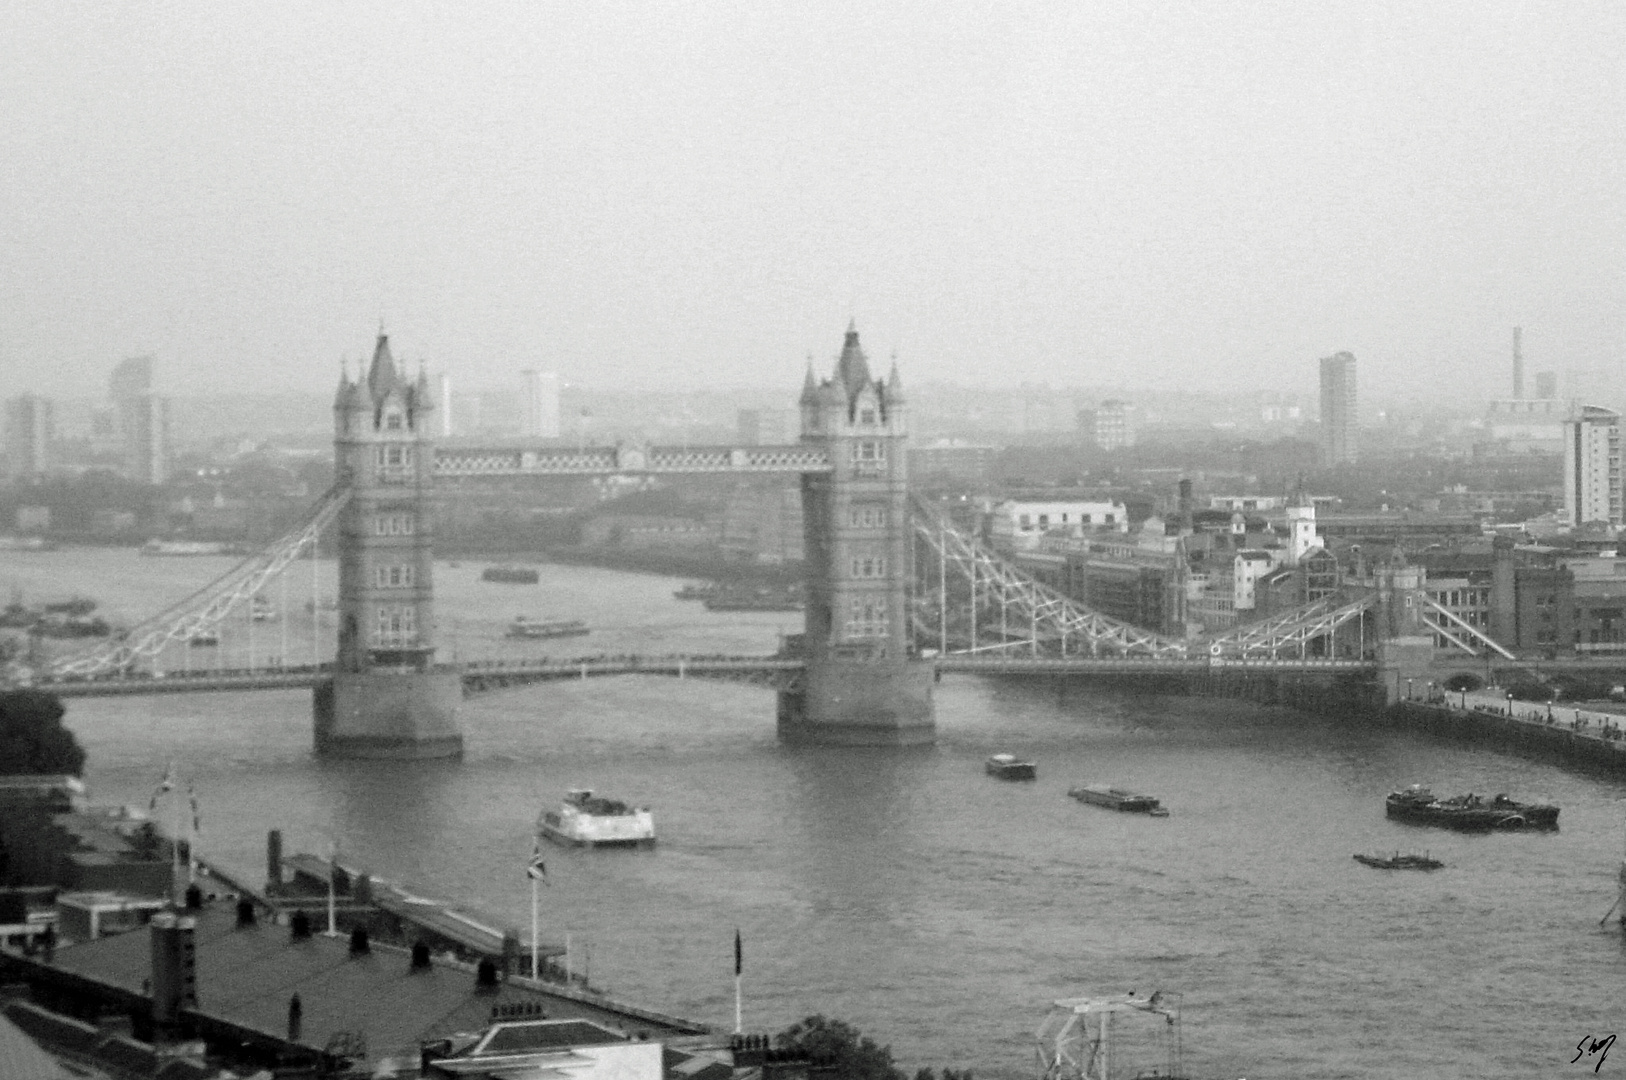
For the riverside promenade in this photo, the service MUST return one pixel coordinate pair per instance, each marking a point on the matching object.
(1589, 737)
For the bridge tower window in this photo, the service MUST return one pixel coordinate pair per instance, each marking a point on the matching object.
(862, 516)
(396, 577)
(867, 618)
(869, 452)
(397, 625)
(394, 525)
(869, 566)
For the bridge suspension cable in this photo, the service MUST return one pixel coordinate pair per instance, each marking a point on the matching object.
(205, 608)
(1038, 614)
(1291, 632)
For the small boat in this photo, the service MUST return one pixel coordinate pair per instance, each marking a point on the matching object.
(522, 627)
(697, 590)
(1006, 767)
(585, 820)
(204, 637)
(260, 610)
(511, 575)
(1130, 802)
(1469, 813)
(1398, 861)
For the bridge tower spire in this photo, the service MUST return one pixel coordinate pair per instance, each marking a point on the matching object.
(861, 685)
(388, 698)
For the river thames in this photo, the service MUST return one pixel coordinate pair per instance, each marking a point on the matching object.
(935, 908)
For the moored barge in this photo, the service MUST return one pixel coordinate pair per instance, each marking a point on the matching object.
(1468, 813)
(1130, 802)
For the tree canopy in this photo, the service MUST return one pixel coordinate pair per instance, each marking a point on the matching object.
(849, 1054)
(32, 737)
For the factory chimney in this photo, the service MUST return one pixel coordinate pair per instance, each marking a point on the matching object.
(1518, 365)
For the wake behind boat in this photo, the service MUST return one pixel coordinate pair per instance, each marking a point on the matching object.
(1130, 802)
(585, 820)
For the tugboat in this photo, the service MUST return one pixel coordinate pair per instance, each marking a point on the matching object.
(260, 610)
(1468, 813)
(1130, 802)
(697, 590)
(584, 820)
(522, 627)
(511, 575)
(1398, 861)
(1006, 767)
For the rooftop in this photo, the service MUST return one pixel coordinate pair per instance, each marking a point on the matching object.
(246, 976)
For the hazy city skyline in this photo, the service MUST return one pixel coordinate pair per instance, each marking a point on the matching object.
(664, 195)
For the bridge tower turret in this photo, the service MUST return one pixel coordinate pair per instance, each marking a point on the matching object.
(388, 699)
(861, 685)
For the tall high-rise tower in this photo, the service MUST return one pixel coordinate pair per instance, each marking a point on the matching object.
(1592, 467)
(1338, 416)
(29, 432)
(388, 697)
(142, 419)
(861, 685)
(539, 408)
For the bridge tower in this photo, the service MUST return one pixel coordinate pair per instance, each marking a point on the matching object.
(861, 686)
(1405, 647)
(388, 698)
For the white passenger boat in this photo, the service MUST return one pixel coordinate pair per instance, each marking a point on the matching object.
(585, 820)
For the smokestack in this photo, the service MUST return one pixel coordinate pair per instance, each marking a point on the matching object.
(1518, 364)
(273, 861)
(174, 966)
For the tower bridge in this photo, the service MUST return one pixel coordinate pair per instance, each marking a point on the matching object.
(895, 595)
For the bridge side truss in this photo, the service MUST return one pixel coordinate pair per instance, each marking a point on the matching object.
(1030, 615)
(208, 606)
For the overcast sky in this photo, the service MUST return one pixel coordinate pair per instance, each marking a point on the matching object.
(1205, 195)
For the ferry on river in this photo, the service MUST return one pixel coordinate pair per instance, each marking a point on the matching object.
(585, 820)
(1130, 802)
(523, 627)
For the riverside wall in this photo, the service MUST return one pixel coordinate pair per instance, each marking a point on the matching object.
(1573, 736)
(1568, 735)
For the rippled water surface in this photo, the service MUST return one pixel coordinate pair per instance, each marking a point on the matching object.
(935, 908)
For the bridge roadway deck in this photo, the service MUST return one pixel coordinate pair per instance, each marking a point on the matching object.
(481, 675)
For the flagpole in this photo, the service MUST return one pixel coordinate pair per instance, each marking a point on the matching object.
(175, 843)
(192, 838)
(535, 969)
(739, 958)
(567, 961)
(332, 873)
